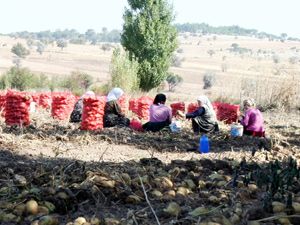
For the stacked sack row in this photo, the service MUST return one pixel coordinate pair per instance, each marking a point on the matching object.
(93, 113)
(227, 112)
(17, 108)
(62, 105)
(144, 104)
(178, 106)
(2, 102)
(122, 101)
(45, 100)
(134, 105)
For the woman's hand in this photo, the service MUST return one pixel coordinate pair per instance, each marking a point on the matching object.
(180, 114)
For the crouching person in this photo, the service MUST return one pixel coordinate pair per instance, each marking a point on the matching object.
(204, 118)
(113, 115)
(160, 114)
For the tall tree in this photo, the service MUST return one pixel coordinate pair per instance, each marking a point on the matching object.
(149, 37)
(20, 51)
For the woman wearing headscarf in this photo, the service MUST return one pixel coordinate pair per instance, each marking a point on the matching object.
(204, 118)
(112, 112)
(160, 114)
(76, 114)
(252, 121)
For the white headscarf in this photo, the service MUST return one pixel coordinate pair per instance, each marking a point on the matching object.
(88, 94)
(114, 94)
(205, 102)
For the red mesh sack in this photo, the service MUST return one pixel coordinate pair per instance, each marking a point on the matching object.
(143, 107)
(133, 105)
(177, 106)
(136, 124)
(62, 105)
(122, 101)
(17, 108)
(35, 97)
(2, 102)
(45, 100)
(192, 107)
(93, 113)
(227, 112)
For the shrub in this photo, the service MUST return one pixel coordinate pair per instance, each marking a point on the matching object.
(106, 47)
(20, 51)
(123, 71)
(78, 82)
(209, 80)
(211, 52)
(176, 61)
(21, 79)
(224, 67)
(101, 89)
(173, 80)
(180, 50)
(293, 60)
(276, 59)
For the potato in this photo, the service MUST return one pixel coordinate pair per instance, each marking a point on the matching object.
(48, 220)
(278, 207)
(80, 220)
(32, 207)
(173, 209)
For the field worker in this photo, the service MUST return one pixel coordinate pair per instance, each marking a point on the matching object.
(204, 118)
(252, 120)
(77, 111)
(113, 115)
(160, 114)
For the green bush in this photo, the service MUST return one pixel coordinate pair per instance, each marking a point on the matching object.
(78, 82)
(20, 51)
(209, 80)
(124, 71)
(22, 79)
(173, 80)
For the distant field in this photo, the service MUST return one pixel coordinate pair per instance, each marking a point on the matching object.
(242, 69)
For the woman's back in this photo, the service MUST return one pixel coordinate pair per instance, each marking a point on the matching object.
(253, 120)
(160, 113)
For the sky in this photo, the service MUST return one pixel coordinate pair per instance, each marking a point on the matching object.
(271, 16)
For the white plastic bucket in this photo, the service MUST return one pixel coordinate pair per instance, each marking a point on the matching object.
(236, 130)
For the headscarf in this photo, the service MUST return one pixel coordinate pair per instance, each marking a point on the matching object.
(249, 102)
(88, 94)
(114, 94)
(205, 102)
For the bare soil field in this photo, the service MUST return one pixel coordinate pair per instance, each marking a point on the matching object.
(119, 176)
(51, 172)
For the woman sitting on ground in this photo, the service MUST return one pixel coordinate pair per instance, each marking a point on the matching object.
(204, 118)
(252, 121)
(160, 114)
(113, 115)
(76, 114)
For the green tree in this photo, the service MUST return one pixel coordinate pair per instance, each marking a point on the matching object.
(123, 71)
(20, 51)
(150, 38)
(78, 82)
(173, 80)
(19, 78)
(40, 48)
(61, 43)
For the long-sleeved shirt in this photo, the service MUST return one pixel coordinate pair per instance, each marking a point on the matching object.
(253, 120)
(160, 113)
(200, 111)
